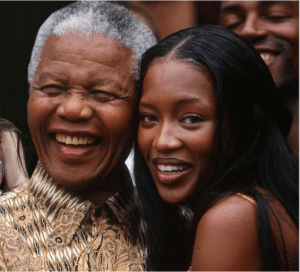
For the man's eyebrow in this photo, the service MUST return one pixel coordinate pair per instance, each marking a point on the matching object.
(230, 8)
(108, 82)
(271, 3)
(44, 76)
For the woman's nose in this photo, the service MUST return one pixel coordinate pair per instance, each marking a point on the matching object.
(167, 139)
(74, 107)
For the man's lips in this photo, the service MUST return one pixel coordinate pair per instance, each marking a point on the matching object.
(74, 144)
(169, 170)
(75, 139)
(268, 58)
(268, 54)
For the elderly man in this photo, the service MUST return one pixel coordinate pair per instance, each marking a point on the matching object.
(77, 212)
(272, 27)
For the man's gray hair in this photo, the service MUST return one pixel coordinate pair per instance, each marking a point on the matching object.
(92, 18)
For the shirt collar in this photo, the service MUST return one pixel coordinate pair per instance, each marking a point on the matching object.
(59, 205)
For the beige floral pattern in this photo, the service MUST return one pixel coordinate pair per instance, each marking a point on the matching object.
(22, 217)
(43, 227)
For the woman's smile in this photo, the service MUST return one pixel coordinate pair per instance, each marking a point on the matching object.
(170, 170)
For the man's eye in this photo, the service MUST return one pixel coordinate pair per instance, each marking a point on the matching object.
(148, 118)
(233, 26)
(103, 96)
(52, 90)
(191, 119)
(276, 16)
(278, 11)
(231, 21)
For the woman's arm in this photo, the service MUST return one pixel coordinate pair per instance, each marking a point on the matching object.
(227, 238)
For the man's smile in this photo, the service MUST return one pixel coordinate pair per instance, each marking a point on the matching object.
(74, 140)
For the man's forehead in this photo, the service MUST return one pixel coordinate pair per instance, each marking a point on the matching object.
(104, 61)
(96, 48)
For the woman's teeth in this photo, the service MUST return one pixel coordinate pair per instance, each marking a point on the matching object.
(171, 168)
(73, 140)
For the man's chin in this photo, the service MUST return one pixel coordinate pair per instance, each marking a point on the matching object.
(289, 88)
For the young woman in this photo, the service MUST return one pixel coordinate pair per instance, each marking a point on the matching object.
(12, 163)
(217, 182)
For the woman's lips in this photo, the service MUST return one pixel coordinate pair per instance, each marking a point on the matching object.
(169, 170)
(170, 177)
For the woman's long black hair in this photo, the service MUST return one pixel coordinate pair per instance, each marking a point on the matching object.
(250, 146)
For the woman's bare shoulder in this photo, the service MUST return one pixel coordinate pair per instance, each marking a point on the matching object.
(232, 207)
(227, 238)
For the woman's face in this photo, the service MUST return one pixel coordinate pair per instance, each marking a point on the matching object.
(177, 127)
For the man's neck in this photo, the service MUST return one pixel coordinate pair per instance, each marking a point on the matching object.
(100, 192)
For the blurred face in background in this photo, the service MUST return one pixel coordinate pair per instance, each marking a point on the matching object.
(272, 28)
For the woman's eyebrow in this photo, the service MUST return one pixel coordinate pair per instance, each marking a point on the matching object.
(177, 103)
(189, 101)
(147, 105)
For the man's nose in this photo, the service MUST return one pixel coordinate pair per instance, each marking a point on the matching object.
(74, 107)
(253, 28)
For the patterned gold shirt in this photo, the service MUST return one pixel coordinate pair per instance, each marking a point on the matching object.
(44, 227)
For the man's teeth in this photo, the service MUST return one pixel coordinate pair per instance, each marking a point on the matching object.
(171, 168)
(73, 140)
(267, 57)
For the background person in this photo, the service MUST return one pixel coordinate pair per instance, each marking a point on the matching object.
(272, 28)
(217, 181)
(78, 211)
(12, 164)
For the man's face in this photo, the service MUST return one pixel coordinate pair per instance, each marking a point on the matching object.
(272, 27)
(81, 108)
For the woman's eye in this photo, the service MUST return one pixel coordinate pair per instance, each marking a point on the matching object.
(191, 119)
(103, 96)
(148, 118)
